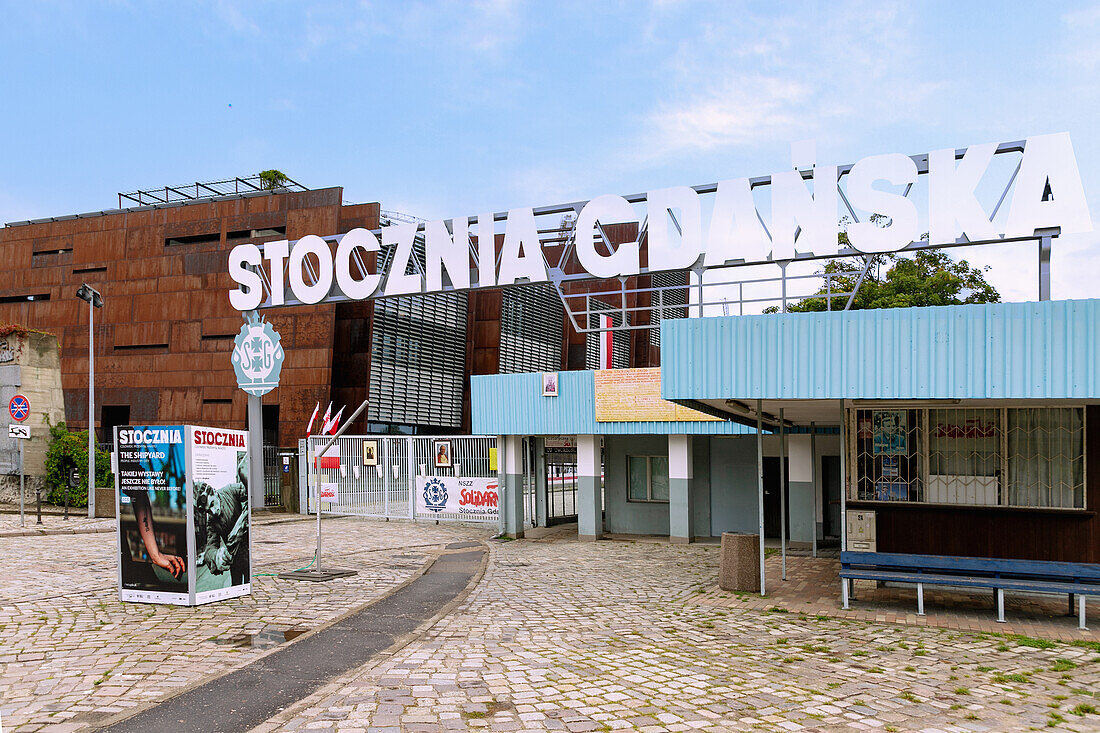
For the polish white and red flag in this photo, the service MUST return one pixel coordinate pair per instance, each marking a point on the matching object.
(330, 458)
(330, 426)
(309, 426)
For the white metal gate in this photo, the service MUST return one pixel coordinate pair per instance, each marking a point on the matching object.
(387, 488)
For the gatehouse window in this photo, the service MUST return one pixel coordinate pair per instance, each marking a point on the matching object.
(647, 478)
(997, 456)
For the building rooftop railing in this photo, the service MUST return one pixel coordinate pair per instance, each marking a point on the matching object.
(207, 190)
(181, 195)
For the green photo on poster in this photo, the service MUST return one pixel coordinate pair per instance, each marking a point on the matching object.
(890, 432)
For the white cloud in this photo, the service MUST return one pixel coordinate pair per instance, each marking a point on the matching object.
(741, 111)
(233, 16)
(739, 79)
(485, 27)
(1082, 29)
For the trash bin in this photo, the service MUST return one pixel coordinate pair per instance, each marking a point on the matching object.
(739, 565)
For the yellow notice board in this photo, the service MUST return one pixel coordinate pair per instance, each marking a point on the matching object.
(628, 395)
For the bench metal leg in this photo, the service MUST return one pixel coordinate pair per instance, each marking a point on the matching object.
(1071, 604)
(1081, 613)
(844, 593)
(1000, 605)
(920, 599)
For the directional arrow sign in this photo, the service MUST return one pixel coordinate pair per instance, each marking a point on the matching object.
(21, 432)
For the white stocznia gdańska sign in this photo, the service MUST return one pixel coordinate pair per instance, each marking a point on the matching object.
(736, 233)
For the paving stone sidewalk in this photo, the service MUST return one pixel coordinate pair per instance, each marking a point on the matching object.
(571, 636)
(72, 655)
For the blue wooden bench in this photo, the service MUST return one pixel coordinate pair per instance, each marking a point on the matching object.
(1039, 576)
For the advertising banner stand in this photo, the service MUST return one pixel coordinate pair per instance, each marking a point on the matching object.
(184, 525)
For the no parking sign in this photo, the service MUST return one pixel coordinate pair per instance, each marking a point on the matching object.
(19, 408)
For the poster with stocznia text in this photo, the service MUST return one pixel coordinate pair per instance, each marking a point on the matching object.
(151, 506)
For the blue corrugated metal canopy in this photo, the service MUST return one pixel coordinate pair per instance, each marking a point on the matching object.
(1044, 350)
(512, 404)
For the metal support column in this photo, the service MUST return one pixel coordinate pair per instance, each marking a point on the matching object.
(1044, 266)
(91, 413)
(22, 520)
(813, 481)
(760, 484)
(256, 451)
(843, 481)
(385, 476)
(316, 498)
(783, 492)
(410, 475)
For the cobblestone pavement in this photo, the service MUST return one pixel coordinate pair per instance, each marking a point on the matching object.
(571, 636)
(72, 655)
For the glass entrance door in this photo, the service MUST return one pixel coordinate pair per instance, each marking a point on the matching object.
(561, 485)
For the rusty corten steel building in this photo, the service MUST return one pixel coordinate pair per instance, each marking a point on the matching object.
(164, 334)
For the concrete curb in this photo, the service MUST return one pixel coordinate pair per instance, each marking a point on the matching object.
(29, 532)
(51, 532)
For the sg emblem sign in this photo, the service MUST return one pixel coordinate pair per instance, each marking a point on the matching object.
(257, 357)
(435, 495)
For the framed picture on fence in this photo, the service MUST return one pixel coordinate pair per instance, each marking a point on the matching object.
(442, 451)
(370, 452)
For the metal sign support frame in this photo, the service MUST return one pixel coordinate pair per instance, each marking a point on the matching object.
(316, 574)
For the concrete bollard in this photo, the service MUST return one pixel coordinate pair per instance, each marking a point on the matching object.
(739, 564)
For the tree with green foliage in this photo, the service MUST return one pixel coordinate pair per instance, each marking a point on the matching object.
(928, 277)
(273, 179)
(69, 450)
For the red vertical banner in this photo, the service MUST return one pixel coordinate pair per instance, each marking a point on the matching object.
(605, 342)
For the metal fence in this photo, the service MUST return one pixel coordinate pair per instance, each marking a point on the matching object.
(377, 474)
(273, 494)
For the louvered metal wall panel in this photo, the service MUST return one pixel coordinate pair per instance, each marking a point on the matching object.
(667, 304)
(1044, 350)
(418, 359)
(512, 404)
(532, 323)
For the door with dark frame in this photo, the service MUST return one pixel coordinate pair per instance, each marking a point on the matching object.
(772, 508)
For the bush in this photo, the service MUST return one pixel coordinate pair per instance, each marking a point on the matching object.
(69, 450)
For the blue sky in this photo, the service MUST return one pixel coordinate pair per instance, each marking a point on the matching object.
(445, 109)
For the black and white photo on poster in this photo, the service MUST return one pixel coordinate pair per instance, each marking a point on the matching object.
(219, 478)
(152, 513)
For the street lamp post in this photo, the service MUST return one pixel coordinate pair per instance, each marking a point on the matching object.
(94, 300)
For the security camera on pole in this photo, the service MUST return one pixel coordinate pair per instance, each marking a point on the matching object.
(94, 300)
